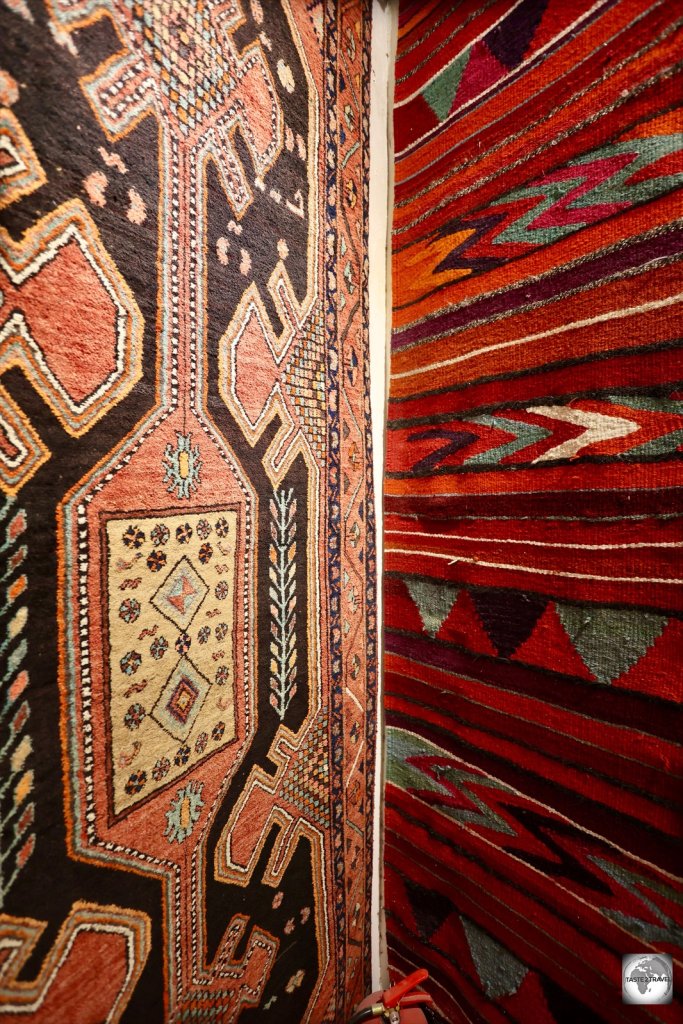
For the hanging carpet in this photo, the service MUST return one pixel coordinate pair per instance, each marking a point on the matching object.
(533, 574)
(188, 648)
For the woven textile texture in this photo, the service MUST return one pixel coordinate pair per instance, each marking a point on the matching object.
(534, 586)
(186, 533)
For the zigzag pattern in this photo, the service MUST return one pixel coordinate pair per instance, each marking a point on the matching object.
(536, 837)
(606, 181)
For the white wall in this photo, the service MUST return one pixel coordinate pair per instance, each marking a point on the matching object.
(384, 26)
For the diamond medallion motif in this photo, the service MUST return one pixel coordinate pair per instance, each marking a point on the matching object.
(181, 594)
(181, 699)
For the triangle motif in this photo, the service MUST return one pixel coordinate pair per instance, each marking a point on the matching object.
(464, 627)
(550, 647)
(500, 973)
(440, 92)
(508, 616)
(482, 71)
(610, 640)
(433, 600)
(510, 40)
(430, 909)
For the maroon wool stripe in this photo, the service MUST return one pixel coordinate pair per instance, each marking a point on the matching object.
(477, 736)
(490, 531)
(483, 732)
(652, 752)
(588, 377)
(619, 707)
(664, 499)
(631, 743)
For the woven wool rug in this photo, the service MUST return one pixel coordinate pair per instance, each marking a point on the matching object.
(533, 506)
(188, 641)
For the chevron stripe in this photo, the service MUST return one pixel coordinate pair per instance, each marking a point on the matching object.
(525, 434)
(635, 427)
(665, 930)
(423, 769)
(596, 429)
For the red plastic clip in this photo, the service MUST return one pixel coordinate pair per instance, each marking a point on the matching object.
(392, 996)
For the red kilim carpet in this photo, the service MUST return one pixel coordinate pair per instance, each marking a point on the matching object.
(534, 584)
(187, 602)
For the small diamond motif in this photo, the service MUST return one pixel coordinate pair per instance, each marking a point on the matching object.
(181, 699)
(181, 594)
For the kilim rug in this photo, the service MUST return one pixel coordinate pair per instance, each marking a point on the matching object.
(534, 586)
(188, 644)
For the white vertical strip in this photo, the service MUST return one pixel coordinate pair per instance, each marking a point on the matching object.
(384, 32)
